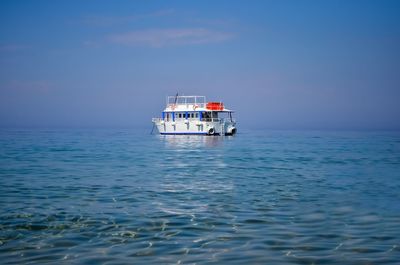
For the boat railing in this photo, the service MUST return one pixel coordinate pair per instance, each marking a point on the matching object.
(217, 120)
(186, 100)
(193, 106)
(211, 119)
(192, 119)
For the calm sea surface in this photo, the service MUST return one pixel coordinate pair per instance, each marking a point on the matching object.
(260, 197)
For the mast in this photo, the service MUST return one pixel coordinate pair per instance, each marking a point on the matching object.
(176, 98)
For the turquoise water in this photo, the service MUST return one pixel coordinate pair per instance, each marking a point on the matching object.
(127, 197)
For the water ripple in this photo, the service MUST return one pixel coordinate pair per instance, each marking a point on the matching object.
(122, 197)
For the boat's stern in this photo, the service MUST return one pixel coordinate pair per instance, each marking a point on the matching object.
(221, 127)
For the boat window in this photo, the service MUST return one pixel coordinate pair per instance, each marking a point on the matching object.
(196, 114)
(192, 115)
(179, 115)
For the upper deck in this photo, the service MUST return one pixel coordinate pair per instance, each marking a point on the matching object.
(192, 103)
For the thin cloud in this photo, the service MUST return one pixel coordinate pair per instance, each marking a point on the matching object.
(31, 85)
(91, 44)
(13, 47)
(117, 20)
(213, 22)
(169, 37)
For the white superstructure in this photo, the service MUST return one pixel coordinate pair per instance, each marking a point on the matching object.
(194, 115)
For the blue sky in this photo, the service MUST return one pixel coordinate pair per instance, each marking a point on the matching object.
(279, 64)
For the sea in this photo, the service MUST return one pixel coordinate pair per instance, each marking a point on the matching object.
(124, 196)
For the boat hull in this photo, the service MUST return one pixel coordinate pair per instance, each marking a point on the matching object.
(195, 127)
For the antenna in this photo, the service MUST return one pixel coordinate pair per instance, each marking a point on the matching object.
(176, 98)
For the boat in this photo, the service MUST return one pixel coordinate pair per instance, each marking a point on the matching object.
(194, 115)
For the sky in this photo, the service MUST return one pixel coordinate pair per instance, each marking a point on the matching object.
(278, 64)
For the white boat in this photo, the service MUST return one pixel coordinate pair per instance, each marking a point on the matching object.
(194, 115)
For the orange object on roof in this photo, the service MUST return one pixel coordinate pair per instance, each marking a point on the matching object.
(215, 106)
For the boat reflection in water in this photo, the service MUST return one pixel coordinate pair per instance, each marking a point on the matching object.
(192, 165)
(189, 142)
